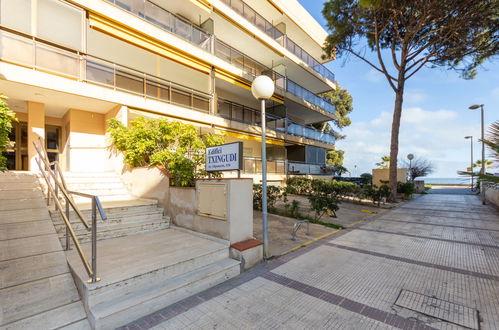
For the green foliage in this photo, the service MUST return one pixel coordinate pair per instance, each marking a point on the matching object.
(335, 157)
(298, 186)
(375, 193)
(384, 163)
(171, 144)
(367, 178)
(292, 210)
(274, 194)
(7, 116)
(324, 198)
(406, 188)
(343, 102)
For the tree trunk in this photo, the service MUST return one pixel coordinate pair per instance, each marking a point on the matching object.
(394, 144)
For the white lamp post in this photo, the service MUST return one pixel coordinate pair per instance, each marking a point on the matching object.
(482, 171)
(471, 168)
(263, 89)
(410, 157)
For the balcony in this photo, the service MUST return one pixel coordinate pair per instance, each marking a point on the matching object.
(28, 52)
(299, 168)
(253, 165)
(266, 27)
(237, 112)
(165, 20)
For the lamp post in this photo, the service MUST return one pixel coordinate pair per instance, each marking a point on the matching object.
(471, 168)
(263, 89)
(410, 157)
(482, 171)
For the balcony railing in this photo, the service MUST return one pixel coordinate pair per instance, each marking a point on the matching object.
(253, 165)
(268, 28)
(167, 21)
(299, 168)
(32, 53)
(237, 112)
(28, 52)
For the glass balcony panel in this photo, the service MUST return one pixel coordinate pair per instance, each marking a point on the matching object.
(237, 58)
(57, 60)
(158, 16)
(260, 22)
(201, 103)
(237, 112)
(250, 14)
(249, 116)
(181, 98)
(258, 166)
(224, 110)
(157, 90)
(271, 167)
(237, 6)
(182, 29)
(129, 81)
(16, 49)
(222, 51)
(99, 73)
(249, 165)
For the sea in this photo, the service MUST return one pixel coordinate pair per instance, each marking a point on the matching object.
(445, 180)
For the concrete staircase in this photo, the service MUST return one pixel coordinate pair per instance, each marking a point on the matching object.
(37, 290)
(125, 215)
(146, 272)
(143, 266)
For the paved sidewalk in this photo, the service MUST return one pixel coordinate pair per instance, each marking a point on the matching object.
(432, 263)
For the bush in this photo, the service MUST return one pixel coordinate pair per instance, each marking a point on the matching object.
(324, 198)
(299, 186)
(7, 116)
(273, 195)
(367, 178)
(292, 210)
(375, 193)
(172, 144)
(406, 188)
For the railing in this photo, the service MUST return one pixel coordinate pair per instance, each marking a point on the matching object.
(265, 26)
(238, 112)
(27, 51)
(166, 21)
(253, 165)
(55, 183)
(305, 168)
(308, 96)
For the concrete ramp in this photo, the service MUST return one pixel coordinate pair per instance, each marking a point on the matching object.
(37, 290)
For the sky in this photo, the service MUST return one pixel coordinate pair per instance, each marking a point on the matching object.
(435, 115)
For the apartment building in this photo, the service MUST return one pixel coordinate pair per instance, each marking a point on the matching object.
(68, 66)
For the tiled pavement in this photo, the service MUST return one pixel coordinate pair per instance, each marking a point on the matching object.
(432, 263)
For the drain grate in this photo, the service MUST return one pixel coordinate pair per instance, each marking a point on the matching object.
(441, 309)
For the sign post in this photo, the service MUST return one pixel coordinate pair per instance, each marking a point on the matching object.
(225, 157)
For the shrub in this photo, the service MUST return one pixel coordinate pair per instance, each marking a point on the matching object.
(273, 195)
(172, 144)
(367, 178)
(406, 188)
(299, 186)
(7, 116)
(324, 198)
(292, 210)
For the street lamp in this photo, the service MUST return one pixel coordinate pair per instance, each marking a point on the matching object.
(410, 157)
(263, 89)
(471, 168)
(482, 171)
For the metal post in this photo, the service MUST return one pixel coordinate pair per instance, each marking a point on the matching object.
(472, 173)
(482, 187)
(94, 241)
(68, 240)
(264, 186)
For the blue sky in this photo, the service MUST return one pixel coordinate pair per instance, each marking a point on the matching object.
(435, 113)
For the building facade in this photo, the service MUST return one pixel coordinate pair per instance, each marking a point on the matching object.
(68, 66)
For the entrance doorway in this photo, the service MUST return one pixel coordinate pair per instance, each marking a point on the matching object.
(17, 149)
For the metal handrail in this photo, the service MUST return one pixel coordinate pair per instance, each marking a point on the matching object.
(60, 185)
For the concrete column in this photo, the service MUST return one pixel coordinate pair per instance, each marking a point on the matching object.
(36, 130)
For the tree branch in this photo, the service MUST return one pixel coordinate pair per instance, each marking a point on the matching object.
(380, 58)
(417, 69)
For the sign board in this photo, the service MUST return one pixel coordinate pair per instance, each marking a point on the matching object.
(225, 157)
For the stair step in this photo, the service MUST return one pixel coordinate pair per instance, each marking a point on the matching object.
(10, 231)
(67, 316)
(24, 247)
(21, 270)
(111, 217)
(76, 186)
(37, 297)
(7, 185)
(133, 306)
